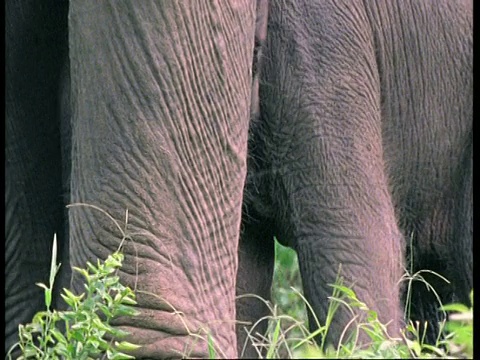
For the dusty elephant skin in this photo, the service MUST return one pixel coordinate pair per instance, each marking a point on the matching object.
(363, 144)
(160, 106)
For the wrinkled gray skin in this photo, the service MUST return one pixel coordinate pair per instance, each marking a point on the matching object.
(147, 105)
(361, 137)
(363, 144)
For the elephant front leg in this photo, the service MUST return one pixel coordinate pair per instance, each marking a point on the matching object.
(161, 102)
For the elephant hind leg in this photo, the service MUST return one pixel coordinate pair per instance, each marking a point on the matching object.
(430, 257)
(36, 43)
(255, 271)
(462, 240)
(256, 245)
(425, 308)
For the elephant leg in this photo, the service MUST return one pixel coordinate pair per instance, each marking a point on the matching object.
(256, 247)
(36, 46)
(364, 253)
(428, 257)
(423, 303)
(443, 244)
(462, 239)
(161, 96)
(256, 257)
(320, 93)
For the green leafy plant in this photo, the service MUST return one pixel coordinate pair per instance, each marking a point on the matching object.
(288, 334)
(86, 322)
(460, 328)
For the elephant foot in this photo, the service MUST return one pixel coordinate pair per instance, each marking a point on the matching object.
(172, 334)
(163, 345)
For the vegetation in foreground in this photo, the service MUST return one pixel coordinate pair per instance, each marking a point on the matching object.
(86, 323)
(288, 335)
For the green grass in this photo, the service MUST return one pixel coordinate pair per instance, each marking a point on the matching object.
(288, 336)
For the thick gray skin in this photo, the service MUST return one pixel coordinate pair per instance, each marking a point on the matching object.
(160, 96)
(364, 140)
(160, 123)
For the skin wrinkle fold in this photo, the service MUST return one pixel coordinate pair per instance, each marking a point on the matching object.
(214, 216)
(199, 230)
(199, 177)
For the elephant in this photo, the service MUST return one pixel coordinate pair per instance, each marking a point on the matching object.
(360, 157)
(341, 128)
(138, 106)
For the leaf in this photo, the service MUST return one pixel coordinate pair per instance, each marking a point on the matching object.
(126, 310)
(111, 281)
(115, 260)
(48, 298)
(106, 297)
(118, 333)
(128, 301)
(84, 272)
(53, 264)
(99, 342)
(345, 290)
(61, 349)
(58, 336)
(455, 307)
(118, 355)
(273, 345)
(78, 347)
(106, 311)
(372, 316)
(126, 346)
(101, 326)
(42, 285)
(211, 348)
(71, 299)
(39, 318)
(30, 353)
(92, 267)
